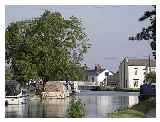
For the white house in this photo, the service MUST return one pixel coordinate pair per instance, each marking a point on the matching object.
(132, 71)
(98, 75)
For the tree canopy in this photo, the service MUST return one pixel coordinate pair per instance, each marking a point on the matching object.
(49, 46)
(149, 32)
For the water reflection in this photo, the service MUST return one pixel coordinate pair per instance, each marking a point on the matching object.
(49, 108)
(132, 101)
(97, 105)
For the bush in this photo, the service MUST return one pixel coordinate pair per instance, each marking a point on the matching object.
(150, 77)
(76, 109)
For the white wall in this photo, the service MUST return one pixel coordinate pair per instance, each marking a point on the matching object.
(140, 75)
(101, 76)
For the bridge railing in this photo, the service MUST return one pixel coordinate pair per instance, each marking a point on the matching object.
(80, 83)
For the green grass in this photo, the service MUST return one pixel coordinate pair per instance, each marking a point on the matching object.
(127, 113)
(137, 111)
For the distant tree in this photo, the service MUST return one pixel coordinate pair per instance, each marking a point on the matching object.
(46, 47)
(149, 32)
(150, 77)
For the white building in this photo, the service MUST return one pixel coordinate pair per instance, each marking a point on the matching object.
(132, 71)
(98, 75)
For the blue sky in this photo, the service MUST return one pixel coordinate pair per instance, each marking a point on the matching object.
(107, 27)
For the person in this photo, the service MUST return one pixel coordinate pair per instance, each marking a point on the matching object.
(30, 81)
(67, 83)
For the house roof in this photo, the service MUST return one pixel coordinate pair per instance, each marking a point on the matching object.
(141, 62)
(93, 72)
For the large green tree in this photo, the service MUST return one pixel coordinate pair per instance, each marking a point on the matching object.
(149, 32)
(47, 47)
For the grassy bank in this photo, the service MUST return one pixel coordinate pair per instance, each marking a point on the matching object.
(126, 113)
(138, 111)
(106, 88)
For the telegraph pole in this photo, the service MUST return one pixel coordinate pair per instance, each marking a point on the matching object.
(124, 73)
(149, 59)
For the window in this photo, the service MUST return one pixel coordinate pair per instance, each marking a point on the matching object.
(92, 79)
(136, 83)
(106, 73)
(135, 71)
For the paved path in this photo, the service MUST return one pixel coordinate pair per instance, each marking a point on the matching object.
(151, 113)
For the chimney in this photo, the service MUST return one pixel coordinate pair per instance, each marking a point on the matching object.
(98, 67)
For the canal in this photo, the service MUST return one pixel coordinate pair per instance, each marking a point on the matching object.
(97, 105)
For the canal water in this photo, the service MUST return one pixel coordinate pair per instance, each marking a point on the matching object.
(97, 105)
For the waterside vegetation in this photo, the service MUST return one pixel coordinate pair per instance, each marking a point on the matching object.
(76, 109)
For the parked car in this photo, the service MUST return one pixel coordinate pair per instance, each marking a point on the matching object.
(147, 90)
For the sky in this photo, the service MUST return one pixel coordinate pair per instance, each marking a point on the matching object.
(108, 28)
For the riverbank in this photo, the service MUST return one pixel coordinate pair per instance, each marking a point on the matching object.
(106, 88)
(143, 109)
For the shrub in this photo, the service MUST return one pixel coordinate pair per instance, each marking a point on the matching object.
(76, 109)
(150, 77)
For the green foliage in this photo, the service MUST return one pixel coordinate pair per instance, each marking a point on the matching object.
(76, 109)
(149, 32)
(150, 77)
(48, 47)
(8, 75)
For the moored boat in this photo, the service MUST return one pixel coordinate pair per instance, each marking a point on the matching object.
(17, 99)
(55, 90)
